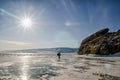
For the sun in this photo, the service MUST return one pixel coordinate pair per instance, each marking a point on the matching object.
(26, 22)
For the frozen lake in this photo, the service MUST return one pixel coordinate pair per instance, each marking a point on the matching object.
(48, 67)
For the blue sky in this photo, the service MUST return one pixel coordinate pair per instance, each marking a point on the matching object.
(57, 23)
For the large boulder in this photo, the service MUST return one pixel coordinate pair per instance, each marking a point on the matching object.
(101, 42)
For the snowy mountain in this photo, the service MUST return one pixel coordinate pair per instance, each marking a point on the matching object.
(62, 50)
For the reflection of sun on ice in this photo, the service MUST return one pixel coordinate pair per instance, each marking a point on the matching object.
(24, 78)
(24, 67)
(26, 22)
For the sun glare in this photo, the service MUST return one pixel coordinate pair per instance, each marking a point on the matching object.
(26, 22)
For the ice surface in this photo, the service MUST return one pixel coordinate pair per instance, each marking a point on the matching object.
(48, 67)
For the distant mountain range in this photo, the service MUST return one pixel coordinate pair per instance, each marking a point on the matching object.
(61, 49)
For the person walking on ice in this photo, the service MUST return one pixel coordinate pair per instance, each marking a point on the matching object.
(59, 54)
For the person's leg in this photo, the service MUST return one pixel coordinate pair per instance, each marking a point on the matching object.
(59, 57)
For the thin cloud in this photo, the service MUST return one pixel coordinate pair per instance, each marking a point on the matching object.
(14, 42)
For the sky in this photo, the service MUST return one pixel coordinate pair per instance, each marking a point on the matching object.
(55, 23)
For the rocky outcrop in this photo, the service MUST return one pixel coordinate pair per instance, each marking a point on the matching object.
(101, 42)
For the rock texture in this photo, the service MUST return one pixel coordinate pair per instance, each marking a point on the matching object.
(101, 42)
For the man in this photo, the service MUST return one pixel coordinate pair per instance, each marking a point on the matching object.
(59, 54)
